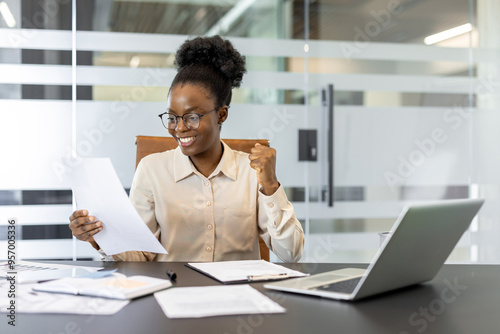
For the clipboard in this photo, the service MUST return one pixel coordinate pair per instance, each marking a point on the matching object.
(246, 271)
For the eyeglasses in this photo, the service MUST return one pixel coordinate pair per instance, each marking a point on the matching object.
(191, 120)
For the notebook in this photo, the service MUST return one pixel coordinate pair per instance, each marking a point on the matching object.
(116, 286)
(420, 242)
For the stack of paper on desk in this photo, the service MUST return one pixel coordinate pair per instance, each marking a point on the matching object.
(117, 286)
(244, 271)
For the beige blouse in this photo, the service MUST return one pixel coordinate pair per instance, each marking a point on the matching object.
(218, 218)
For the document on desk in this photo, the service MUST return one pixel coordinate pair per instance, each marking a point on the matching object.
(209, 301)
(244, 271)
(97, 189)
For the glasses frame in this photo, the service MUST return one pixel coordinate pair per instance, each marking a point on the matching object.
(182, 117)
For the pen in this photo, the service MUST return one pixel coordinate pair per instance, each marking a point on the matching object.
(266, 277)
(171, 275)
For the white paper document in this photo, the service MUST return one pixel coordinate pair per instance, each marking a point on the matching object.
(248, 270)
(209, 301)
(97, 189)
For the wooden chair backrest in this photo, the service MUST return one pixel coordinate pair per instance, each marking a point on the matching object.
(147, 145)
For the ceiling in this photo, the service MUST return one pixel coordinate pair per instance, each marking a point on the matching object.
(410, 22)
(165, 18)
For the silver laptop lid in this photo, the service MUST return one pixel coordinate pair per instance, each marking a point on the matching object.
(421, 240)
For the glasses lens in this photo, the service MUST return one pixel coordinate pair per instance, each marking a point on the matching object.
(192, 121)
(169, 121)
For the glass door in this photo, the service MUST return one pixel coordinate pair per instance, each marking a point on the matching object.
(404, 107)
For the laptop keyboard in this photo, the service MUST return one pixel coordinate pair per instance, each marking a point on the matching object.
(346, 286)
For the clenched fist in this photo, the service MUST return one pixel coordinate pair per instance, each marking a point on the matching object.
(263, 160)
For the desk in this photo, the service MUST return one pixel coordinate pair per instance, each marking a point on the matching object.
(471, 307)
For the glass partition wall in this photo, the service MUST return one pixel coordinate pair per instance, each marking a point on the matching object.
(412, 122)
(398, 133)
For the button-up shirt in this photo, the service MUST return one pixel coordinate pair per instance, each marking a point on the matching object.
(214, 218)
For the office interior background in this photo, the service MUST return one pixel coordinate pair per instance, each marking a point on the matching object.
(415, 119)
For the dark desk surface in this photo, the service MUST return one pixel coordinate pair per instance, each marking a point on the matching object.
(461, 299)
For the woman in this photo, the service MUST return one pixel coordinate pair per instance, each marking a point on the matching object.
(204, 201)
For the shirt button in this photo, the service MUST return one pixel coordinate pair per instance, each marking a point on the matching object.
(208, 203)
(207, 183)
(209, 249)
(209, 227)
(271, 205)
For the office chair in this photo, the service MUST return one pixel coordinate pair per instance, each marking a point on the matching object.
(150, 144)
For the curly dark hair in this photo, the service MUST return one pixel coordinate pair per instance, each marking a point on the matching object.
(211, 62)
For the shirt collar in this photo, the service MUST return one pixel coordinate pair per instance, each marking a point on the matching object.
(183, 167)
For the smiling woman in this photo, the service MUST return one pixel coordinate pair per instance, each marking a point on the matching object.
(203, 200)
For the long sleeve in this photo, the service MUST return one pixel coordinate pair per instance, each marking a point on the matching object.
(134, 256)
(281, 230)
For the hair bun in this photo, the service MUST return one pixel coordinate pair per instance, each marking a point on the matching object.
(214, 52)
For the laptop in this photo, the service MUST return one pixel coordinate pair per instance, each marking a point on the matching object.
(419, 243)
(33, 272)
